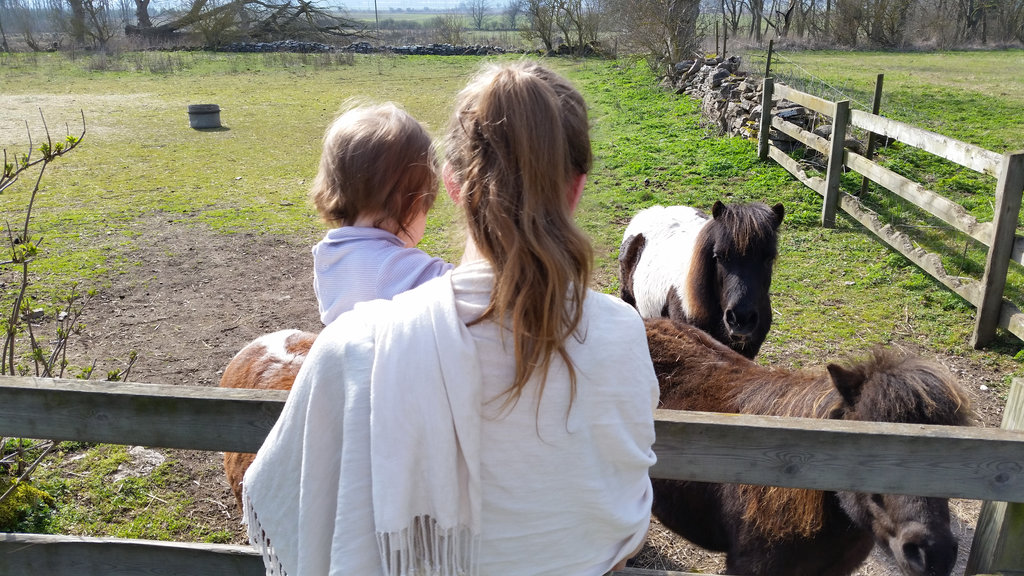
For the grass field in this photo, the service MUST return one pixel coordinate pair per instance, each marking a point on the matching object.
(835, 292)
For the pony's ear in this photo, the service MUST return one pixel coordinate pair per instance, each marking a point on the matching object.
(780, 211)
(717, 209)
(847, 382)
(629, 255)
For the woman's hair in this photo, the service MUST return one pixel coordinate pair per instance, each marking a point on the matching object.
(377, 160)
(518, 140)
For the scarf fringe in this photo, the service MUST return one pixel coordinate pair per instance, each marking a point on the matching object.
(259, 539)
(425, 549)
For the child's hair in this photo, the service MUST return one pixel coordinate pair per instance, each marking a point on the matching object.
(377, 160)
(518, 139)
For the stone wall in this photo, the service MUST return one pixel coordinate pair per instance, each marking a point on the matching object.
(731, 100)
(365, 48)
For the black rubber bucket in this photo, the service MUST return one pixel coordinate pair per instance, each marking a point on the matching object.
(201, 116)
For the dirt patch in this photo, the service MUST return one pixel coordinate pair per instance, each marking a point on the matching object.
(195, 298)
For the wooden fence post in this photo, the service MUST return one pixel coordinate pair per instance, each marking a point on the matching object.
(1008, 201)
(835, 164)
(764, 129)
(999, 536)
(876, 105)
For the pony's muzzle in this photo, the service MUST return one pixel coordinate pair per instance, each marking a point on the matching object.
(918, 552)
(741, 323)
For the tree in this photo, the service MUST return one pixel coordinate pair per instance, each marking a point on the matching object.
(255, 19)
(756, 8)
(4, 14)
(541, 15)
(579, 22)
(664, 30)
(477, 12)
(142, 14)
(100, 20)
(77, 23)
(513, 10)
(448, 27)
(732, 12)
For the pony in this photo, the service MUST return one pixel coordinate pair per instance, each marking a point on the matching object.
(270, 362)
(713, 273)
(772, 531)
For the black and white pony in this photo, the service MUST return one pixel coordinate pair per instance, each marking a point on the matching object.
(711, 272)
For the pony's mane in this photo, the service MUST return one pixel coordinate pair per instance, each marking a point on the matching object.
(909, 389)
(750, 224)
(896, 388)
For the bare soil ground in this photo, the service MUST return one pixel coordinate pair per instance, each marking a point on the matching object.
(195, 298)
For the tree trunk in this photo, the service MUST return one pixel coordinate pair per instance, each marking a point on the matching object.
(77, 21)
(756, 14)
(142, 14)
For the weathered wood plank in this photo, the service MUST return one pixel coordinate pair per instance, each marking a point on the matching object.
(38, 554)
(942, 461)
(1009, 192)
(1012, 319)
(646, 572)
(198, 418)
(33, 555)
(806, 100)
(875, 457)
(968, 288)
(950, 212)
(964, 154)
(766, 118)
(834, 172)
(800, 135)
(1018, 251)
(812, 182)
(999, 536)
(876, 106)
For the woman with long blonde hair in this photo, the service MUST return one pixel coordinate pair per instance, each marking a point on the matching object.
(497, 420)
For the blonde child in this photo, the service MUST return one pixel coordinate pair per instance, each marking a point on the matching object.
(377, 179)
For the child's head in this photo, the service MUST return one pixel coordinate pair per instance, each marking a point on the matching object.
(378, 162)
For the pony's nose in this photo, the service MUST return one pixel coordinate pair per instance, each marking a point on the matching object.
(921, 555)
(741, 322)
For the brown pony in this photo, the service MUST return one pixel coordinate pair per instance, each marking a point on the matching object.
(712, 272)
(270, 362)
(795, 532)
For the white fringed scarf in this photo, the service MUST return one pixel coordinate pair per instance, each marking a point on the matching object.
(417, 460)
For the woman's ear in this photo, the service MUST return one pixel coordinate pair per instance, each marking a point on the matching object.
(576, 191)
(450, 185)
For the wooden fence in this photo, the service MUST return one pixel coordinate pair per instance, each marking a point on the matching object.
(999, 235)
(952, 462)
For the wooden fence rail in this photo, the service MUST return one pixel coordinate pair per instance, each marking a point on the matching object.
(999, 235)
(973, 463)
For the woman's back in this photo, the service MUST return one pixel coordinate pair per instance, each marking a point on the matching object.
(551, 472)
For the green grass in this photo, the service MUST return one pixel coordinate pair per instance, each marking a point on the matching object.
(88, 502)
(975, 97)
(836, 292)
(971, 96)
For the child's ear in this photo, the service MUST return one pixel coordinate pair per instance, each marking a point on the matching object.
(576, 191)
(453, 188)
